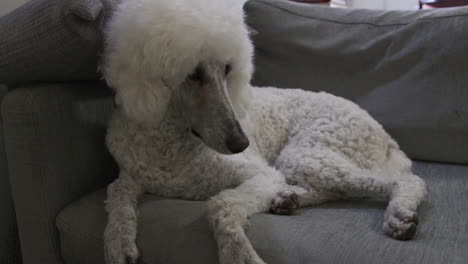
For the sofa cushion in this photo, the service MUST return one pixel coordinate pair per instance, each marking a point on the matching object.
(407, 68)
(175, 231)
(52, 40)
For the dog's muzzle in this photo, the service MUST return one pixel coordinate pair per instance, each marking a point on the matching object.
(237, 141)
(237, 145)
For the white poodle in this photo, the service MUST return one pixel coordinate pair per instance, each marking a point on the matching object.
(189, 125)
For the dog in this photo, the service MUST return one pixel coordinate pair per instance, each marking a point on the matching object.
(189, 125)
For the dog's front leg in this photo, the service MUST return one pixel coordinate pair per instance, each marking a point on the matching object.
(229, 211)
(120, 233)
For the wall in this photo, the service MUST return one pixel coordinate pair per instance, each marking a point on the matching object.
(385, 4)
(401, 4)
(8, 5)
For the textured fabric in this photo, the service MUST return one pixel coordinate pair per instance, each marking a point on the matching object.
(407, 68)
(10, 252)
(175, 231)
(49, 40)
(54, 140)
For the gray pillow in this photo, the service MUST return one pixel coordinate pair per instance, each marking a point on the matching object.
(52, 40)
(409, 69)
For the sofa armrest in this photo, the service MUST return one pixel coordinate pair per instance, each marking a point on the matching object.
(10, 252)
(54, 140)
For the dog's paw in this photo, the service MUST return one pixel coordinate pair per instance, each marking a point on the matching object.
(121, 251)
(401, 224)
(285, 203)
(238, 254)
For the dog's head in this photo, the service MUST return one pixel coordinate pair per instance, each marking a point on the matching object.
(192, 57)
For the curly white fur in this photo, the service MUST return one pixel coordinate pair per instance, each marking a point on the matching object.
(315, 145)
(152, 45)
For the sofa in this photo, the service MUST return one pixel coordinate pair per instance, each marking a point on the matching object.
(10, 252)
(408, 69)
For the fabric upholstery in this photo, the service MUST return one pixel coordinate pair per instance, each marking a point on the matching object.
(54, 140)
(176, 231)
(10, 251)
(407, 68)
(54, 134)
(52, 40)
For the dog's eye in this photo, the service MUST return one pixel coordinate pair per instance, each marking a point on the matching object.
(227, 69)
(197, 75)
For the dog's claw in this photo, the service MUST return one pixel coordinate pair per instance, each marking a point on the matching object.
(414, 219)
(405, 234)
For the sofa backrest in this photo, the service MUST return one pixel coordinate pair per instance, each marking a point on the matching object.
(52, 40)
(408, 69)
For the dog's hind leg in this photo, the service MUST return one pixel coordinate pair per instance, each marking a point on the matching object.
(407, 193)
(228, 213)
(401, 219)
(121, 229)
(331, 175)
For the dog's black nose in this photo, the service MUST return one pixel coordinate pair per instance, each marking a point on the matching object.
(237, 145)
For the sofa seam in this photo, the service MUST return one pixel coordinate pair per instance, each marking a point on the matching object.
(357, 23)
(33, 97)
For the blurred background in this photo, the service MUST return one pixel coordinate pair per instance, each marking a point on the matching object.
(8, 5)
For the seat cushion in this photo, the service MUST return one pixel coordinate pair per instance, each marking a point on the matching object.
(407, 68)
(52, 40)
(175, 231)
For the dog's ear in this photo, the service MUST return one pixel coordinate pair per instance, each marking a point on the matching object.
(144, 101)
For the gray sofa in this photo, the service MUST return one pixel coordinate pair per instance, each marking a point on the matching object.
(10, 252)
(408, 69)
